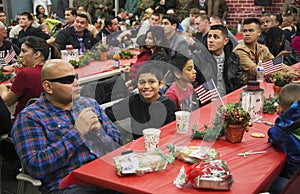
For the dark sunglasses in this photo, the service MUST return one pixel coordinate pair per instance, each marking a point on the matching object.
(64, 80)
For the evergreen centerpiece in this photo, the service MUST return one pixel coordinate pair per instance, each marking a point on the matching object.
(281, 78)
(270, 104)
(227, 116)
(3, 77)
(102, 48)
(236, 120)
(234, 114)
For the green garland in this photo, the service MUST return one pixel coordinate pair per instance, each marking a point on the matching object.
(4, 77)
(270, 104)
(232, 114)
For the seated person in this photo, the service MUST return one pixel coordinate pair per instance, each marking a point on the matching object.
(266, 23)
(251, 52)
(288, 26)
(5, 47)
(188, 23)
(110, 33)
(74, 130)
(216, 20)
(148, 108)
(26, 22)
(275, 41)
(34, 52)
(177, 42)
(145, 54)
(229, 71)
(182, 91)
(70, 15)
(78, 35)
(126, 41)
(45, 27)
(286, 131)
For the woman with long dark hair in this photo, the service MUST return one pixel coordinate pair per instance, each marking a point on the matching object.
(27, 84)
(157, 41)
(276, 42)
(40, 14)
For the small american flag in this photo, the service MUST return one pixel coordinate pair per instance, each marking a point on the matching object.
(206, 91)
(273, 65)
(10, 55)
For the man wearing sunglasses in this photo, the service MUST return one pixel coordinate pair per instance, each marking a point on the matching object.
(61, 131)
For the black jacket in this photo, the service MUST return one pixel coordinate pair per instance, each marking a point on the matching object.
(111, 39)
(68, 37)
(31, 31)
(206, 67)
(232, 73)
(143, 115)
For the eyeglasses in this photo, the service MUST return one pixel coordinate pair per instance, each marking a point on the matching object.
(64, 80)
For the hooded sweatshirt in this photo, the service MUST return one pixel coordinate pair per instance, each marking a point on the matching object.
(285, 135)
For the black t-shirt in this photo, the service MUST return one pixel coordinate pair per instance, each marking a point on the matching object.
(4, 49)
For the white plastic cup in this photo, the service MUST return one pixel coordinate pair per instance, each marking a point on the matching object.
(151, 138)
(182, 121)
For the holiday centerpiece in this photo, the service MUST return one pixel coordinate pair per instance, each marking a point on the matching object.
(231, 120)
(102, 51)
(280, 79)
(236, 120)
(270, 104)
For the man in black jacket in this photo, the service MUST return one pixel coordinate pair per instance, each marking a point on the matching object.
(229, 71)
(25, 21)
(78, 36)
(111, 34)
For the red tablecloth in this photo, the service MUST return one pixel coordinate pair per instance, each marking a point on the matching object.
(252, 174)
(98, 67)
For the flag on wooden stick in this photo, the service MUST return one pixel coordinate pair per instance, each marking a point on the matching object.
(10, 55)
(206, 91)
(273, 65)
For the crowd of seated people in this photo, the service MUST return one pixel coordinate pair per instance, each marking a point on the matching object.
(176, 55)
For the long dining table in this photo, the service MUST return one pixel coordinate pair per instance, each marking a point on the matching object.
(96, 70)
(251, 174)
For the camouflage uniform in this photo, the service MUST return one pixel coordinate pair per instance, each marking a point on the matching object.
(184, 7)
(87, 4)
(143, 5)
(102, 13)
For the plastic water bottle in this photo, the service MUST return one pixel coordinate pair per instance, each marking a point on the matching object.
(260, 72)
(103, 38)
(239, 27)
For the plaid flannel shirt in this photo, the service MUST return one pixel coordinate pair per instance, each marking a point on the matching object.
(49, 145)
